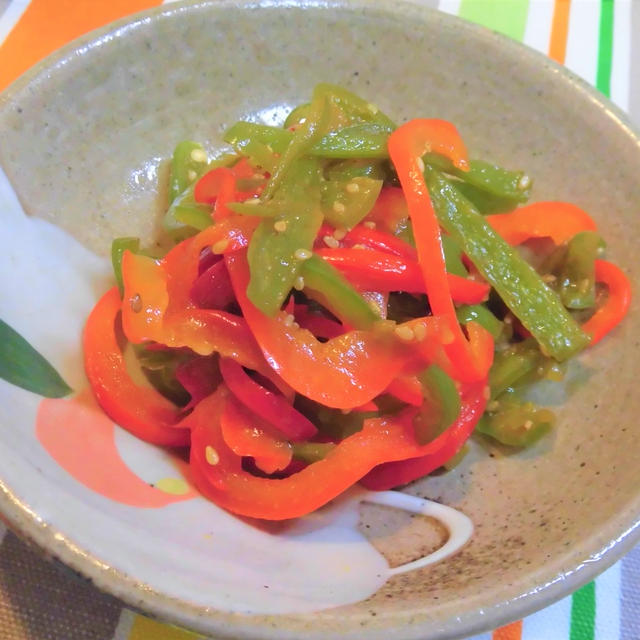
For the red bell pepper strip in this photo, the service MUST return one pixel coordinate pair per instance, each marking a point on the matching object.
(140, 410)
(246, 435)
(271, 407)
(559, 221)
(390, 211)
(407, 144)
(222, 479)
(320, 326)
(437, 452)
(374, 239)
(345, 372)
(212, 289)
(200, 377)
(617, 304)
(377, 271)
(216, 187)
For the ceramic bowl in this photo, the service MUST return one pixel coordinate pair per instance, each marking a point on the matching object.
(83, 139)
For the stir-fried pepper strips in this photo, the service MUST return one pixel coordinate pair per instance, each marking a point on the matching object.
(314, 325)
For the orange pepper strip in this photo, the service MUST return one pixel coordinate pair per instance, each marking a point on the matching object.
(617, 304)
(246, 435)
(140, 410)
(145, 317)
(216, 187)
(345, 372)
(559, 221)
(407, 144)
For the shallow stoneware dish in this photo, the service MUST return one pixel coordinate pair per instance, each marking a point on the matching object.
(83, 139)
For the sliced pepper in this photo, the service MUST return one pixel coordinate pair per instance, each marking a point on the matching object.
(608, 316)
(344, 372)
(141, 410)
(436, 453)
(559, 221)
(520, 287)
(188, 162)
(270, 406)
(577, 278)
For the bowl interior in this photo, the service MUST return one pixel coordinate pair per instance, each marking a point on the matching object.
(83, 140)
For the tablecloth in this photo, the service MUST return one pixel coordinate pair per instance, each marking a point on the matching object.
(597, 39)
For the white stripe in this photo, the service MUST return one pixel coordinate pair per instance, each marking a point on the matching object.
(552, 622)
(10, 16)
(450, 6)
(621, 63)
(123, 630)
(582, 43)
(537, 33)
(608, 603)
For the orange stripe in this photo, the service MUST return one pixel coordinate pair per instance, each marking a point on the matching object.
(512, 631)
(559, 30)
(47, 25)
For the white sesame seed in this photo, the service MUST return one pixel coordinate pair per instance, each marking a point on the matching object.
(280, 225)
(527, 425)
(548, 278)
(338, 207)
(220, 246)
(252, 201)
(298, 283)
(353, 187)
(420, 331)
(295, 325)
(358, 246)
(370, 224)
(211, 455)
(136, 303)
(257, 176)
(493, 406)
(289, 320)
(372, 108)
(420, 163)
(331, 242)
(524, 182)
(339, 234)
(404, 333)
(198, 155)
(345, 412)
(302, 254)
(191, 175)
(486, 392)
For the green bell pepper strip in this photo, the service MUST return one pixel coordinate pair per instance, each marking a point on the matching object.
(118, 247)
(453, 256)
(189, 162)
(513, 364)
(486, 203)
(480, 314)
(578, 275)
(296, 115)
(314, 127)
(348, 169)
(441, 404)
(484, 176)
(520, 287)
(22, 366)
(516, 423)
(325, 284)
(345, 204)
(364, 140)
(275, 250)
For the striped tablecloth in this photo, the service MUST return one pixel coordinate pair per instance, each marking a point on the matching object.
(597, 39)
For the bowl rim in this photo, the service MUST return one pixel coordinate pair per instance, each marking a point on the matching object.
(138, 596)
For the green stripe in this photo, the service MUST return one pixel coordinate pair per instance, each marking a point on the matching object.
(583, 613)
(605, 47)
(506, 16)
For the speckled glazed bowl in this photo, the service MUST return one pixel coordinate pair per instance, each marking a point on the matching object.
(83, 137)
